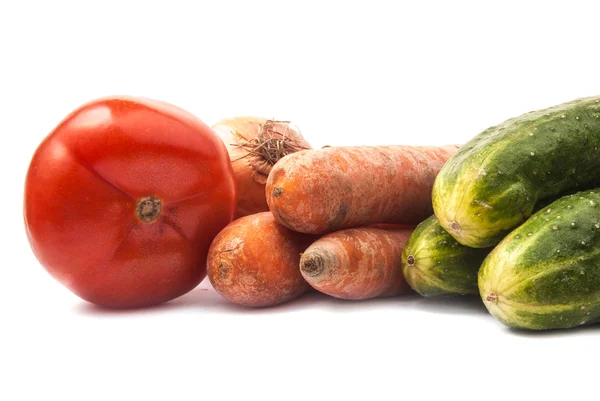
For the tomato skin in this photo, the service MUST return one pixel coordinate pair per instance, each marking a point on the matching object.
(82, 193)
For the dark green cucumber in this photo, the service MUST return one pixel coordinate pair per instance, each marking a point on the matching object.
(546, 273)
(492, 183)
(434, 263)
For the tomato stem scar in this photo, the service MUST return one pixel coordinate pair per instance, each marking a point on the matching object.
(148, 209)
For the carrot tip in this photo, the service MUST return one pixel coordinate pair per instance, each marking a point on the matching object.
(277, 191)
(312, 265)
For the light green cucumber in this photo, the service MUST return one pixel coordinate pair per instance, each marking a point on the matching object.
(546, 273)
(434, 263)
(492, 183)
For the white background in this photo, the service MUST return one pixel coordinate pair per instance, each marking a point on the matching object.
(346, 73)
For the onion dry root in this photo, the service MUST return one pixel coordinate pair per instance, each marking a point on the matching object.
(255, 144)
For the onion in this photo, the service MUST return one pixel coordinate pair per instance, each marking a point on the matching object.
(255, 144)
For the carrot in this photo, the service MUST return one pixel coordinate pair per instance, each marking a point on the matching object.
(254, 262)
(357, 263)
(324, 190)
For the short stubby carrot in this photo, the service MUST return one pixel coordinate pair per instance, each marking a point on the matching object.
(324, 190)
(255, 262)
(357, 263)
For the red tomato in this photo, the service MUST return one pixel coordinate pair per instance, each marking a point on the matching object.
(123, 199)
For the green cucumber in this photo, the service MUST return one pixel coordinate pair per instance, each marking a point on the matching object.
(546, 273)
(434, 263)
(492, 183)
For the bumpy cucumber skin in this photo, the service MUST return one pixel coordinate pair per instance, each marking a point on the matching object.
(546, 273)
(492, 183)
(440, 265)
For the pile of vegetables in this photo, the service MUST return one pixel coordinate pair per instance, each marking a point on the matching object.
(131, 202)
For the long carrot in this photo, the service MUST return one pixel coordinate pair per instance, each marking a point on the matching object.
(254, 261)
(357, 263)
(319, 191)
